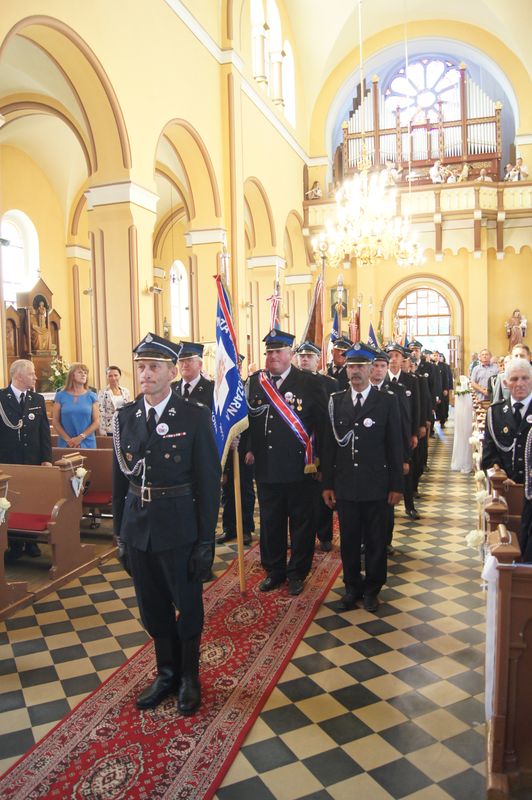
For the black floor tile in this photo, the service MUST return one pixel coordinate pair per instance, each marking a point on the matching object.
(312, 663)
(117, 616)
(363, 670)
(268, 754)
(323, 641)
(53, 628)
(108, 660)
(281, 720)
(133, 639)
(244, 790)
(417, 677)
(413, 704)
(71, 591)
(371, 647)
(470, 657)
(299, 689)
(44, 608)
(426, 613)
(356, 696)
(80, 684)
(29, 646)
(332, 766)
(471, 682)
(407, 737)
(70, 653)
(16, 623)
(94, 634)
(332, 623)
(90, 580)
(469, 745)
(465, 785)
(103, 597)
(400, 778)
(48, 712)
(423, 632)
(345, 728)
(16, 743)
(469, 710)
(419, 653)
(9, 701)
(35, 677)
(81, 611)
(376, 627)
(7, 666)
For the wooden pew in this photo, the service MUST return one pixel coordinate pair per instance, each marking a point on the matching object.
(44, 508)
(99, 495)
(508, 669)
(508, 500)
(11, 592)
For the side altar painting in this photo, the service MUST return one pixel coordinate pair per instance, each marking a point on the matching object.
(33, 332)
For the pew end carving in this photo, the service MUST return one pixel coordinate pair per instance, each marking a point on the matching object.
(11, 592)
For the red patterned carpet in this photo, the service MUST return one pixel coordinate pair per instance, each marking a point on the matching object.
(108, 750)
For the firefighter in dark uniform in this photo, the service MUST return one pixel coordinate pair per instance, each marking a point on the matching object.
(287, 410)
(507, 438)
(447, 384)
(397, 355)
(308, 356)
(191, 382)
(427, 405)
(336, 369)
(24, 432)
(166, 488)
(380, 379)
(362, 472)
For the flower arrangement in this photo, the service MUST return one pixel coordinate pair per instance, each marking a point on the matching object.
(4, 506)
(59, 369)
(77, 480)
(475, 539)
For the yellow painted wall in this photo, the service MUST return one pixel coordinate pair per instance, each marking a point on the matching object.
(510, 287)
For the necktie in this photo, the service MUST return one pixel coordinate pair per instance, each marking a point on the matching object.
(394, 380)
(186, 392)
(517, 413)
(21, 401)
(150, 422)
(358, 403)
(275, 380)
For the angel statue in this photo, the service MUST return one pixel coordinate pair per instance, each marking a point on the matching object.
(515, 329)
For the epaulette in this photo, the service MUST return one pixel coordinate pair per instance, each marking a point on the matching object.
(341, 391)
(130, 403)
(390, 392)
(499, 403)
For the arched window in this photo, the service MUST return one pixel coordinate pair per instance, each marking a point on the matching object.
(20, 254)
(417, 89)
(424, 314)
(272, 57)
(289, 84)
(179, 300)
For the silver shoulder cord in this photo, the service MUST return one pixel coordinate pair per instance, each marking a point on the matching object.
(504, 448)
(342, 441)
(8, 422)
(528, 465)
(139, 467)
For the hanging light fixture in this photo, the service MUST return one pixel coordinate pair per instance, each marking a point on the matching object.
(367, 226)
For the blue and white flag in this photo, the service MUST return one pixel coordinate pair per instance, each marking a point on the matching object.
(230, 410)
(372, 339)
(335, 330)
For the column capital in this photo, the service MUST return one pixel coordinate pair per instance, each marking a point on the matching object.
(256, 262)
(109, 194)
(206, 236)
(78, 252)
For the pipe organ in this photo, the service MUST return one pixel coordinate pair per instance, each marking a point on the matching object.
(466, 130)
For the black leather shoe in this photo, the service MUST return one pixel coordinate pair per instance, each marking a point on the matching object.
(371, 602)
(412, 513)
(163, 685)
(270, 583)
(189, 694)
(295, 586)
(349, 601)
(247, 538)
(32, 550)
(326, 546)
(225, 537)
(207, 577)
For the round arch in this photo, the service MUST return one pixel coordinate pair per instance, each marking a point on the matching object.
(262, 215)
(296, 252)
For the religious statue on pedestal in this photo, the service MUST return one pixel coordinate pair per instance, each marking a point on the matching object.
(41, 337)
(515, 329)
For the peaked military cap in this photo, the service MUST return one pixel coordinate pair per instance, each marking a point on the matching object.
(382, 355)
(276, 340)
(308, 348)
(394, 346)
(155, 348)
(342, 343)
(191, 349)
(361, 353)
(414, 343)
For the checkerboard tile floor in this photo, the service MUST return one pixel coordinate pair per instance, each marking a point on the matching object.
(372, 706)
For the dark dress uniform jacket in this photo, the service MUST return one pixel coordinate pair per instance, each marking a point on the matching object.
(374, 466)
(203, 391)
(339, 374)
(399, 391)
(411, 385)
(279, 455)
(506, 430)
(185, 454)
(33, 446)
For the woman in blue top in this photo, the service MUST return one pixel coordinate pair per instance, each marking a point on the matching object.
(76, 414)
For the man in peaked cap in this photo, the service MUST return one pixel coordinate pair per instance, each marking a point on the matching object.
(166, 485)
(192, 383)
(308, 356)
(336, 368)
(362, 473)
(287, 409)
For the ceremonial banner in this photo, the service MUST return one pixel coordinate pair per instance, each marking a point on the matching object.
(372, 339)
(275, 303)
(230, 410)
(335, 330)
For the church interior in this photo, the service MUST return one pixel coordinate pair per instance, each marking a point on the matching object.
(148, 146)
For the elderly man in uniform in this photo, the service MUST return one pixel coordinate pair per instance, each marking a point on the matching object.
(192, 383)
(287, 409)
(24, 432)
(336, 368)
(166, 487)
(508, 427)
(308, 356)
(362, 473)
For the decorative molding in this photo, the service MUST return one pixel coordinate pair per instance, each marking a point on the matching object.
(76, 251)
(523, 138)
(159, 272)
(256, 262)
(317, 161)
(221, 56)
(127, 192)
(291, 280)
(206, 236)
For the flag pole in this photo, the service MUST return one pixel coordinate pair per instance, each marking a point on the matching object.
(239, 523)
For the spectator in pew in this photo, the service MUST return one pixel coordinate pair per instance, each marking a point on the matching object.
(508, 173)
(24, 433)
(76, 412)
(481, 374)
(484, 177)
(508, 426)
(111, 399)
(166, 491)
(520, 171)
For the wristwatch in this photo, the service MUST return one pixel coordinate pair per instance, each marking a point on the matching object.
(83, 436)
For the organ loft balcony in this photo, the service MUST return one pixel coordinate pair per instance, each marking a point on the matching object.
(452, 216)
